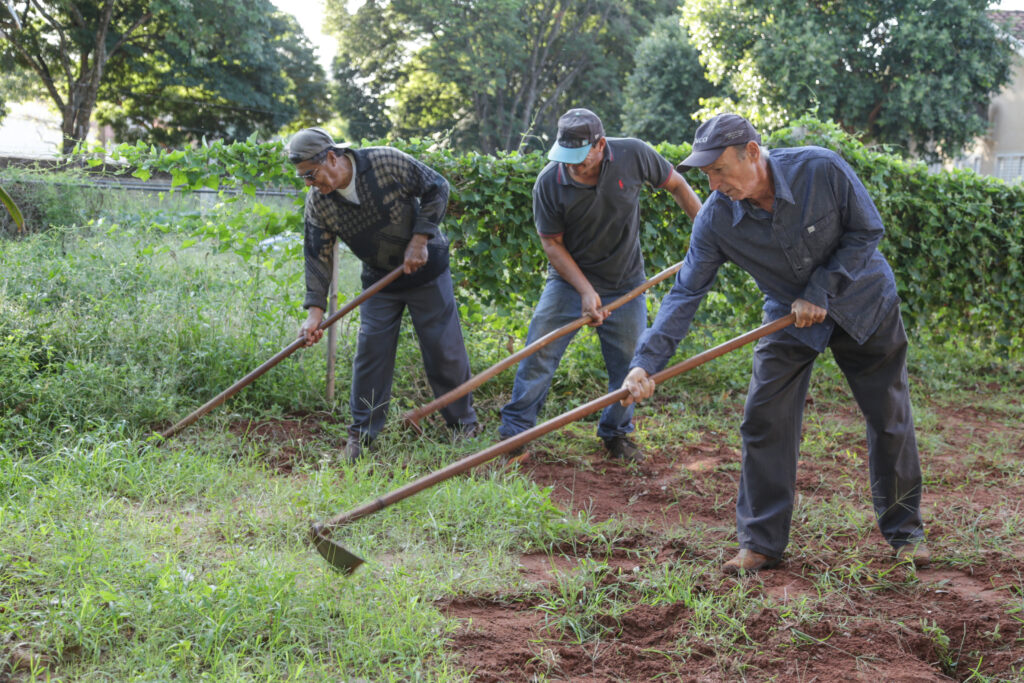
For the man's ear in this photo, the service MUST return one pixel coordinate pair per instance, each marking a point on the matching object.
(753, 150)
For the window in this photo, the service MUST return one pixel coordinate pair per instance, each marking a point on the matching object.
(1010, 167)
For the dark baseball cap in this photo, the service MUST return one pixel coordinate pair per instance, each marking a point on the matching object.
(714, 135)
(578, 129)
(309, 142)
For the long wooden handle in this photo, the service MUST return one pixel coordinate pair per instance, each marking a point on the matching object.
(280, 355)
(522, 438)
(413, 417)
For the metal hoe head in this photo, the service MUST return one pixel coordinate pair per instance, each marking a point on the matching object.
(338, 557)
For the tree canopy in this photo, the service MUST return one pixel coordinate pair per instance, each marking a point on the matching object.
(167, 69)
(666, 87)
(913, 73)
(491, 75)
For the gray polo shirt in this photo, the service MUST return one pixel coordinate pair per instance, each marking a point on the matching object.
(819, 244)
(600, 224)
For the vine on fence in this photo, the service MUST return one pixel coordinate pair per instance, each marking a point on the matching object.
(955, 239)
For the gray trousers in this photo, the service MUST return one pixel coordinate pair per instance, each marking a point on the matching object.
(877, 374)
(435, 318)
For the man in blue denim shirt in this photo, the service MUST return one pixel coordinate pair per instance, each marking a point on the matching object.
(802, 224)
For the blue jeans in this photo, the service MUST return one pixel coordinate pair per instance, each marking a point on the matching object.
(559, 305)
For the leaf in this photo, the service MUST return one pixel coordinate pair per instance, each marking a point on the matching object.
(12, 209)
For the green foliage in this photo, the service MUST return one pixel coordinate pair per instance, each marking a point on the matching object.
(915, 73)
(236, 171)
(47, 198)
(954, 239)
(219, 69)
(491, 75)
(666, 87)
(237, 69)
(12, 209)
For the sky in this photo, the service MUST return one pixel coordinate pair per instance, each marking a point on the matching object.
(310, 14)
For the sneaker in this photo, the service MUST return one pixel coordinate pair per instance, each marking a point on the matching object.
(749, 561)
(623, 448)
(916, 553)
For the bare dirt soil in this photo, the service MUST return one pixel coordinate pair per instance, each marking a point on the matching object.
(869, 635)
(881, 632)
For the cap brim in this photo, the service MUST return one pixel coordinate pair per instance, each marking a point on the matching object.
(568, 155)
(698, 159)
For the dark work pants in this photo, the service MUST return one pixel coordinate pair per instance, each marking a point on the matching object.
(877, 374)
(435, 317)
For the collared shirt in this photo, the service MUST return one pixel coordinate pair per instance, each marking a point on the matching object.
(399, 196)
(819, 243)
(600, 224)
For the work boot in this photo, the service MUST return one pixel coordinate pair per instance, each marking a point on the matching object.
(465, 432)
(516, 456)
(624, 449)
(353, 449)
(916, 553)
(748, 561)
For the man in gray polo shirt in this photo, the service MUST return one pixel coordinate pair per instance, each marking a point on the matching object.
(802, 224)
(586, 205)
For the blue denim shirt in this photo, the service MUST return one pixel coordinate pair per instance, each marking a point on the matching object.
(820, 243)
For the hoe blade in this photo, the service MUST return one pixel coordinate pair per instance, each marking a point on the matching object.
(337, 556)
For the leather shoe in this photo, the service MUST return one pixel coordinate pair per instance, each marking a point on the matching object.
(916, 553)
(748, 561)
(624, 449)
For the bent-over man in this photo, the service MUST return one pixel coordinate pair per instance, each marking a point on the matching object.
(387, 207)
(802, 224)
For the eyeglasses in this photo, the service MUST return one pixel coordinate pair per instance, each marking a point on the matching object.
(310, 175)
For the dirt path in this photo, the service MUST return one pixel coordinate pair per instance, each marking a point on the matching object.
(891, 631)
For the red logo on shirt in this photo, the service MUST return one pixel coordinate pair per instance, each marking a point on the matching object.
(621, 186)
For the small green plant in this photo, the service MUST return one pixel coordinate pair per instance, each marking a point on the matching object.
(12, 209)
(940, 641)
(584, 604)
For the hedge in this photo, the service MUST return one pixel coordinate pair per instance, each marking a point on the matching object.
(954, 239)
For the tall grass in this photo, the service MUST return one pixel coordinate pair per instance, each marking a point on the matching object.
(123, 558)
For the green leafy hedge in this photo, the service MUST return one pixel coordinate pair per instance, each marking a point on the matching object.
(954, 238)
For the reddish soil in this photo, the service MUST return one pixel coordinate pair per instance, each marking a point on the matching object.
(870, 634)
(874, 631)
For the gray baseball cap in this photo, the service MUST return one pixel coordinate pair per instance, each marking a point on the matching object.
(578, 129)
(309, 142)
(714, 135)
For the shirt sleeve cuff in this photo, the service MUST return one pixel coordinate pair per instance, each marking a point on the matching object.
(817, 296)
(422, 227)
(318, 300)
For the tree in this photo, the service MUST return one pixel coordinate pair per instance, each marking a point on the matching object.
(666, 86)
(163, 62)
(913, 73)
(208, 82)
(369, 63)
(495, 74)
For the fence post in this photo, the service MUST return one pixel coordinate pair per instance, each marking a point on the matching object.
(332, 331)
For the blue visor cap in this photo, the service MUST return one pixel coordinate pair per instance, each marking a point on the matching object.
(564, 152)
(578, 129)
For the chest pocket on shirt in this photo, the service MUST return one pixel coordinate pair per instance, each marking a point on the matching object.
(821, 236)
